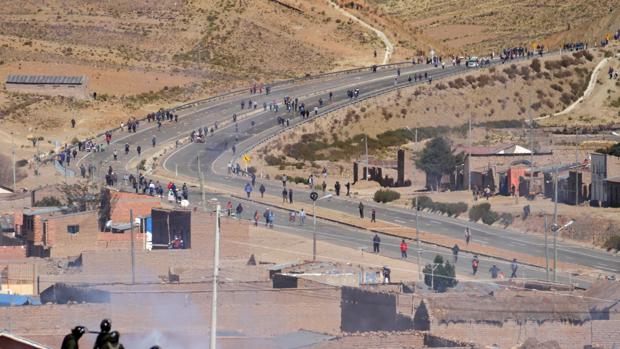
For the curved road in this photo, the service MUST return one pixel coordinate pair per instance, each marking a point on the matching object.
(215, 154)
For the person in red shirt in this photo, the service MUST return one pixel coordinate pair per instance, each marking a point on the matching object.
(403, 249)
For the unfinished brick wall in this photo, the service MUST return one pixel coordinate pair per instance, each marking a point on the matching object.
(12, 252)
(141, 205)
(380, 340)
(64, 244)
(511, 333)
(606, 333)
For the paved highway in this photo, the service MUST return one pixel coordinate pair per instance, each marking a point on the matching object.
(215, 154)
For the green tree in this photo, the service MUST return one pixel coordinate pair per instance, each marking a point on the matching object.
(443, 277)
(436, 160)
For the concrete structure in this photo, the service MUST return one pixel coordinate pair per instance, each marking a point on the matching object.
(68, 86)
(388, 173)
(605, 180)
(10, 341)
(491, 166)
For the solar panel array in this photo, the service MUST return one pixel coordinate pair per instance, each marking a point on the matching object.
(45, 79)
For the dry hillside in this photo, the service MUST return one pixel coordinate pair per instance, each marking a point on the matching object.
(496, 98)
(474, 27)
(142, 55)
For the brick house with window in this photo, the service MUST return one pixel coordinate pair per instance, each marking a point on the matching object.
(51, 232)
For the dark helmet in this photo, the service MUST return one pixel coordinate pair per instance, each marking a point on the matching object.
(78, 331)
(155, 347)
(105, 326)
(114, 337)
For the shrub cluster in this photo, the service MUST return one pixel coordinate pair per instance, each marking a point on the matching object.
(483, 212)
(612, 243)
(451, 209)
(386, 195)
(273, 160)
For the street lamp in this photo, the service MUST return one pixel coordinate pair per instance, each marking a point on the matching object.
(314, 196)
(417, 209)
(556, 229)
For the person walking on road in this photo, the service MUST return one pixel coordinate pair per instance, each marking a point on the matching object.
(262, 190)
(302, 217)
(139, 150)
(284, 195)
(403, 249)
(513, 267)
(361, 207)
(256, 218)
(229, 208)
(455, 252)
(348, 186)
(154, 141)
(115, 154)
(376, 242)
(290, 195)
(248, 189)
(373, 216)
(337, 188)
(239, 211)
(467, 235)
(494, 270)
(474, 265)
(324, 187)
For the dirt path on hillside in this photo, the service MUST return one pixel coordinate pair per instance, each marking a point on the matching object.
(586, 93)
(389, 47)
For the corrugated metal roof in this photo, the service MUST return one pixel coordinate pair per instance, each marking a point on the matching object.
(45, 79)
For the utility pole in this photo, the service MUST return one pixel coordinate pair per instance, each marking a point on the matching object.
(37, 158)
(133, 251)
(417, 228)
(367, 163)
(576, 169)
(14, 172)
(531, 150)
(216, 271)
(198, 161)
(469, 156)
(202, 191)
(546, 252)
(313, 230)
(555, 224)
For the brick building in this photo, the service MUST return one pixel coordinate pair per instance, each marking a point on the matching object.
(494, 165)
(507, 319)
(52, 232)
(123, 202)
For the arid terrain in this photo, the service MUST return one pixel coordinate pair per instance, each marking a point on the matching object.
(497, 98)
(139, 56)
(473, 27)
(538, 89)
